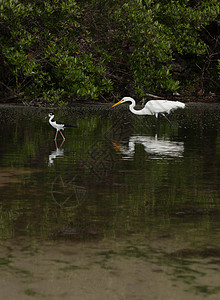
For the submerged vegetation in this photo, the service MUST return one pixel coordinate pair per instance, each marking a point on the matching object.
(61, 51)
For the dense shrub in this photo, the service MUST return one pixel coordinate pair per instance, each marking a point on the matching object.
(43, 47)
(62, 50)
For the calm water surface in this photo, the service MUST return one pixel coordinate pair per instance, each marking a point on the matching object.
(123, 209)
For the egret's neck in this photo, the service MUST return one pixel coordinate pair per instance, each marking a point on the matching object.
(131, 107)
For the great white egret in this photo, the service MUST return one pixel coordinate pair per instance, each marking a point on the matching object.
(153, 107)
(57, 126)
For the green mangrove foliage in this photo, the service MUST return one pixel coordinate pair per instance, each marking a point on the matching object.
(69, 50)
(44, 49)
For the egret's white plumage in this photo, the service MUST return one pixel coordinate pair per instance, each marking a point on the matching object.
(153, 107)
(57, 126)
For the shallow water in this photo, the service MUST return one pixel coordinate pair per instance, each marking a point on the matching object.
(123, 209)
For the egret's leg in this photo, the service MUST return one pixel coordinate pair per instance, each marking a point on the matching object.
(166, 118)
(55, 136)
(62, 136)
(156, 116)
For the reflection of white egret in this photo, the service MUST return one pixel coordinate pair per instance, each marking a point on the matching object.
(57, 126)
(153, 107)
(152, 145)
(55, 154)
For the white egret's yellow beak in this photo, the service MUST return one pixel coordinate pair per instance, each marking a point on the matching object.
(117, 147)
(117, 103)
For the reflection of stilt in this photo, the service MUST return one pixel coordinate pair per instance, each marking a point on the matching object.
(62, 192)
(55, 154)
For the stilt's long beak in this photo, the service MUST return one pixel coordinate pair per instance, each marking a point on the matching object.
(117, 103)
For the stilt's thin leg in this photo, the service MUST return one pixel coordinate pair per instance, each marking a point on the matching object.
(56, 136)
(167, 119)
(62, 135)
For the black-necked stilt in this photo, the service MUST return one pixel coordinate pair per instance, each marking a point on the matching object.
(57, 126)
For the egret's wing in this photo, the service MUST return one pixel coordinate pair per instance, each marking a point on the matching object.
(144, 111)
(163, 106)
